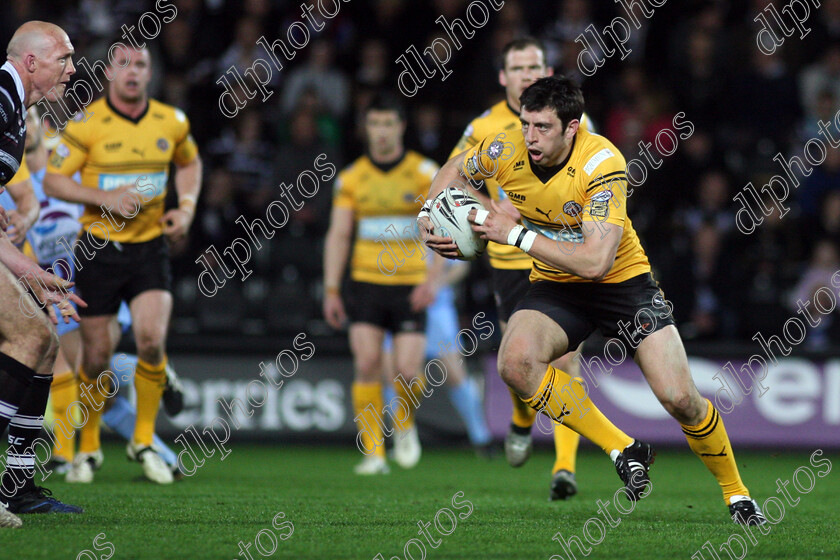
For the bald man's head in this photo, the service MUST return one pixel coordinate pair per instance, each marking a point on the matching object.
(42, 54)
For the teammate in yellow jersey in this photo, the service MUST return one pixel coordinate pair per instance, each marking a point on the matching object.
(523, 62)
(377, 198)
(123, 145)
(590, 272)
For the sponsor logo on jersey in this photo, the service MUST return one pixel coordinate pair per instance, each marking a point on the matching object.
(597, 159)
(111, 146)
(570, 171)
(517, 197)
(519, 165)
(602, 196)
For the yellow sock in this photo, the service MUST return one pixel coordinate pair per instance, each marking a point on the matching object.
(710, 443)
(565, 445)
(413, 395)
(149, 382)
(63, 392)
(523, 416)
(93, 400)
(565, 400)
(367, 407)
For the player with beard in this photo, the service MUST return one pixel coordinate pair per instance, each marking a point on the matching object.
(123, 145)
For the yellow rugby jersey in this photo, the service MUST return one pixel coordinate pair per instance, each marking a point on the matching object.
(385, 201)
(111, 149)
(22, 172)
(590, 185)
(499, 118)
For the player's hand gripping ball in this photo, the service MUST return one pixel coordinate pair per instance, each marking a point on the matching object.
(449, 213)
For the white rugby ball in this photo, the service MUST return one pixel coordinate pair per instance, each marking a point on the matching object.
(449, 216)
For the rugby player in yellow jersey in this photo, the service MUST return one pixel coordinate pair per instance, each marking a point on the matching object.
(377, 198)
(123, 145)
(523, 62)
(590, 272)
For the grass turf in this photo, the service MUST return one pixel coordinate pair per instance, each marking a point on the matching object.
(338, 515)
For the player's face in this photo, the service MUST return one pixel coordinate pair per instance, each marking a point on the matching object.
(54, 68)
(132, 70)
(384, 131)
(547, 141)
(522, 68)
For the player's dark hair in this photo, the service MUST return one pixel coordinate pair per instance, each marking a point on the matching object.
(555, 92)
(387, 102)
(521, 44)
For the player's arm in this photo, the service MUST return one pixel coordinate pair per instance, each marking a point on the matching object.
(177, 221)
(46, 287)
(68, 158)
(336, 253)
(26, 211)
(591, 259)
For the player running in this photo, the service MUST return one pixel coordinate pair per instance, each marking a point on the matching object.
(523, 62)
(590, 271)
(123, 152)
(376, 198)
(39, 65)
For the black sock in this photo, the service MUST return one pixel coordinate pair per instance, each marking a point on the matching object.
(23, 431)
(15, 379)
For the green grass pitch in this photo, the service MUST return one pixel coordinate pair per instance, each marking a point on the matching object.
(338, 515)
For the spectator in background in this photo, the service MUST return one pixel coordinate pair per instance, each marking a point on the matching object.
(819, 77)
(711, 206)
(246, 157)
(321, 76)
(374, 64)
(814, 191)
(243, 51)
(295, 155)
(824, 263)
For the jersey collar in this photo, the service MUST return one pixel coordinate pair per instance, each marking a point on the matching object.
(544, 174)
(123, 115)
(10, 68)
(386, 167)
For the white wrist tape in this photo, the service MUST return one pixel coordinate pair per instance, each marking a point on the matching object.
(480, 216)
(522, 238)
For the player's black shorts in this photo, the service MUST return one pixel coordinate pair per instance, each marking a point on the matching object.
(384, 306)
(509, 286)
(119, 271)
(582, 307)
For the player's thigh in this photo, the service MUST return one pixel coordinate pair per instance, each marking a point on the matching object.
(409, 351)
(662, 359)
(25, 332)
(150, 313)
(96, 343)
(532, 341)
(366, 346)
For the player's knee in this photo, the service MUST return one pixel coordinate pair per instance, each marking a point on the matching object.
(516, 365)
(149, 348)
(42, 340)
(683, 406)
(368, 367)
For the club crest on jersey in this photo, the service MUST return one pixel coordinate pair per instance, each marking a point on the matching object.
(495, 149)
(162, 144)
(572, 208)
(471, 167)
